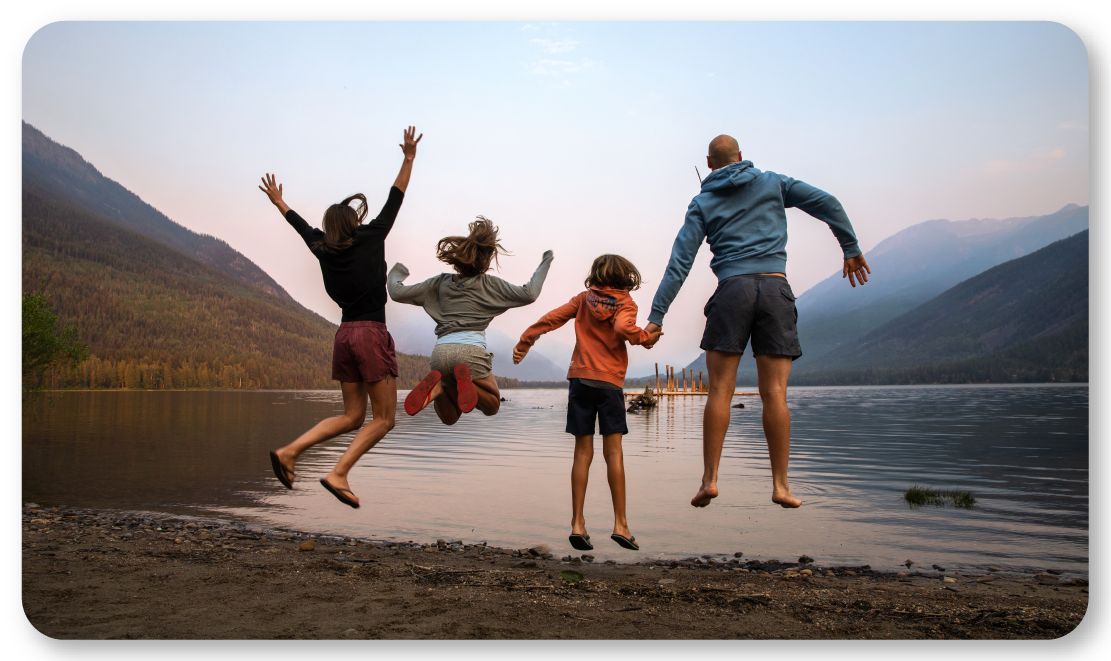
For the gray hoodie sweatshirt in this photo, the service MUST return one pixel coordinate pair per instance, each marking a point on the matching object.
(470, 304)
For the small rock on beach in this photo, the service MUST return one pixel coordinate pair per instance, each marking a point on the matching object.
(309, 545)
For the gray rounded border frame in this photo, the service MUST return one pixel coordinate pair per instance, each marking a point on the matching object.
(1087, 641)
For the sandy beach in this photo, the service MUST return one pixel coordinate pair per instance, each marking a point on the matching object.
(91, 574)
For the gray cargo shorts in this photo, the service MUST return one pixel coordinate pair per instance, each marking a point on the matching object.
(445, 357)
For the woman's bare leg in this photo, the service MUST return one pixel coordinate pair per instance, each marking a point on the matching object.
(580, 473)
(489, 396)
(615, 473)
(383, 402)
(354, 412)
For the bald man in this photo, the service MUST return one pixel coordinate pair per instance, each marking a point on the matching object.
(740, 212)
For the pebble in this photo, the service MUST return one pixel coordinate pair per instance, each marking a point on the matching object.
(807, 572)
(587, 557)
(994, 569)
(939, 568)
(985, 579)
(350, 633)
(1045, 579)
(431, 549)
(1053, 571)
(850, 572)
(666, 581)
(528, 563)
(949, 580)
(909, 563)
(805, 560)
(440, 542)
(566, 558)
(738, 554)
(576, 561)
(309, 545)
(540, 549)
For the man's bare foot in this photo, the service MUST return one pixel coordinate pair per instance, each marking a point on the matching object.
(705, 495)
(783, 498)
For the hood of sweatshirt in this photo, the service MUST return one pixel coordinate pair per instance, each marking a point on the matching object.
(730, 176)
(604, 302)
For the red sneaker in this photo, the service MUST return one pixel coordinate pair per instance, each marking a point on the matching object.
(468, 396)
(419, 397)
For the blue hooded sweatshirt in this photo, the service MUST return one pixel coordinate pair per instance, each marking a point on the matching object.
(741, 214)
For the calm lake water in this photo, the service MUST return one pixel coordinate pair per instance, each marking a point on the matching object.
(1022, 450)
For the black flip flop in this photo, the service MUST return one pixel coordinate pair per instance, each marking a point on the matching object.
(280, 470)
(581, 542)
(626, 542)
(336, 492)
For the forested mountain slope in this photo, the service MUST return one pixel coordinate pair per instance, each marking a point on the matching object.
(64, 174)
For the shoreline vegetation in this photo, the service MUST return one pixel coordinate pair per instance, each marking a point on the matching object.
(94, 573)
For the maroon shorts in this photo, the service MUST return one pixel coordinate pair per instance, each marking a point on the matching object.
(363, 351)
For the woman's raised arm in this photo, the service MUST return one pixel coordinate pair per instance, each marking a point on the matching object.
(273, 191)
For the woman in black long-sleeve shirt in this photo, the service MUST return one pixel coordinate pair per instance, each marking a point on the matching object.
(352, 261)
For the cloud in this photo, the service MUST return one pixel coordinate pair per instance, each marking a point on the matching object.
(529, 27)
(556, 46)
(1036, 161)
(560, 67)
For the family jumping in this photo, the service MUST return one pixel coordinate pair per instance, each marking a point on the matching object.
(739, 212)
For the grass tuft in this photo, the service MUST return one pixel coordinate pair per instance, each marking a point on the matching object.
(917, 496)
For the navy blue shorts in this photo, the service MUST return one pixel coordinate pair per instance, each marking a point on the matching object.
(585, 403)
(754, 310)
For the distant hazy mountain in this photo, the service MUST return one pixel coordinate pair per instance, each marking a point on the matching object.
(62, 173)
(915, 265)
(910, 268)
(1032, 297)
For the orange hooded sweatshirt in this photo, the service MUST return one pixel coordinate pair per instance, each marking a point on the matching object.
(604, 320)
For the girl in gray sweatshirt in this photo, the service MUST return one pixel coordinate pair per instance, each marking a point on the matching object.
(462, 304)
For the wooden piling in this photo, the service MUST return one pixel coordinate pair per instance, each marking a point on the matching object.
(657, 378)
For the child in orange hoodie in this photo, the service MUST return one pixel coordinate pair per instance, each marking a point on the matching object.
(605, 319)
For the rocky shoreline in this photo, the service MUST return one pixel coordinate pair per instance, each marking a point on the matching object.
(107, 574)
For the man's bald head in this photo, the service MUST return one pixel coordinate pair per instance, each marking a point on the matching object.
(723, 151)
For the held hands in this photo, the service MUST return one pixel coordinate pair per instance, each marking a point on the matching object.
(654, 335)
(273, 191)
(519, 354)
(409, 147)
(856, 267)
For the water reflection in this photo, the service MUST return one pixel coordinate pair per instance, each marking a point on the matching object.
(1023, 450)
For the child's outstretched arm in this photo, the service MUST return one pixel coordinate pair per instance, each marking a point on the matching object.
(411, 294)
(625, 325)
(548, 322)
(514, 296)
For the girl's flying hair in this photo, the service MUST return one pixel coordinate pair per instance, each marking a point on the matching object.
(471, 255)
(613, 271)
(340, 221)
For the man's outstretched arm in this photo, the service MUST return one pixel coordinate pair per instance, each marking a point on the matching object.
(683, 252)
(828, 209)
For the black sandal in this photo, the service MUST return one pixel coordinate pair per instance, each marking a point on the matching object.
(280, 471)
(580, 542)
(336, 492)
